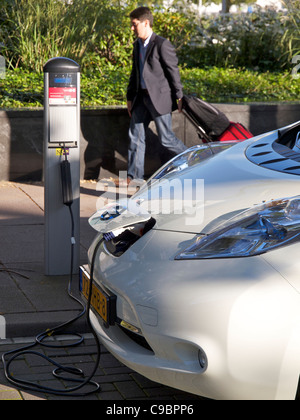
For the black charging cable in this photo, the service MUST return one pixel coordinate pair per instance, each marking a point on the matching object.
(41, 338)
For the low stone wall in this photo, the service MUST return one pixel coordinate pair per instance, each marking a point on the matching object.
(104, 139)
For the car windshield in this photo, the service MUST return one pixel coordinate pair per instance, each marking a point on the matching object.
(189, 158)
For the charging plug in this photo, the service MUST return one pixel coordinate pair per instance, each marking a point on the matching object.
(66, 182)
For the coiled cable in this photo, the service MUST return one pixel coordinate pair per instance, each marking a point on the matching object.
(9, 357)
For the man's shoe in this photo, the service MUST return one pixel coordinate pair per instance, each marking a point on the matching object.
(121, 182)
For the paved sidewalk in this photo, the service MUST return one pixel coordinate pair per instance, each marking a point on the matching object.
(31, 302)
(117, 382)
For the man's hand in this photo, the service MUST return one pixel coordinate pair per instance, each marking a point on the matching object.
(129, 107)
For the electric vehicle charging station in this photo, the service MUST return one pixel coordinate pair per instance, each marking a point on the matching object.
(62, 218)
(62, 165)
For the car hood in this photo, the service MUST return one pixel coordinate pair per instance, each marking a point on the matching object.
(197, 199)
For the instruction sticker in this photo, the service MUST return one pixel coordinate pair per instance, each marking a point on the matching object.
(62, 152)
(62, 96)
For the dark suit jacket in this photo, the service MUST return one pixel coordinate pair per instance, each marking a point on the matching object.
(160, 73)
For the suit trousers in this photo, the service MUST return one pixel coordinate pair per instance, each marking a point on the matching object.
(143, 113)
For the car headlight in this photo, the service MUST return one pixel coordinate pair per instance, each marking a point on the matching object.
(252, 232)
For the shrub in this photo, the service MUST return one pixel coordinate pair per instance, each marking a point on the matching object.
(251, 40)
(34, 31)
(22, 89)
(240, 85)
(291, 38)
(97, 32)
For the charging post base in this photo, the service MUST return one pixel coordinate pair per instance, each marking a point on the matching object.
(62, 165)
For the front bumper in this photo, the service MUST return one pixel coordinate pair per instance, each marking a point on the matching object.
(212, 328)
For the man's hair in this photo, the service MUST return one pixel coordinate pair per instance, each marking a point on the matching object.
(142, 14)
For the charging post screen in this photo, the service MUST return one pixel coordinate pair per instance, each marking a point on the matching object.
(63, 89)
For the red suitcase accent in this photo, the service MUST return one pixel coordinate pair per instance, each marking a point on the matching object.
(235, 131)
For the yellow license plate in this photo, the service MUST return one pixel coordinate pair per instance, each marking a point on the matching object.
(101, 302)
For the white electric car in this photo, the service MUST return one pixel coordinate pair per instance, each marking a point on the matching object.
(197, 276)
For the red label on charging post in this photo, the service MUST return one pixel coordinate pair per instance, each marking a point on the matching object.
(62, 96)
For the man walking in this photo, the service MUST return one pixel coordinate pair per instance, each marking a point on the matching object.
(154, 91)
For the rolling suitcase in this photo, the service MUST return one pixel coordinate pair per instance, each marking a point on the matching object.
(212, 124)
(235, 131)
(209, 121)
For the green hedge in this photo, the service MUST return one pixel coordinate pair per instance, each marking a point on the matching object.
(21, 89)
